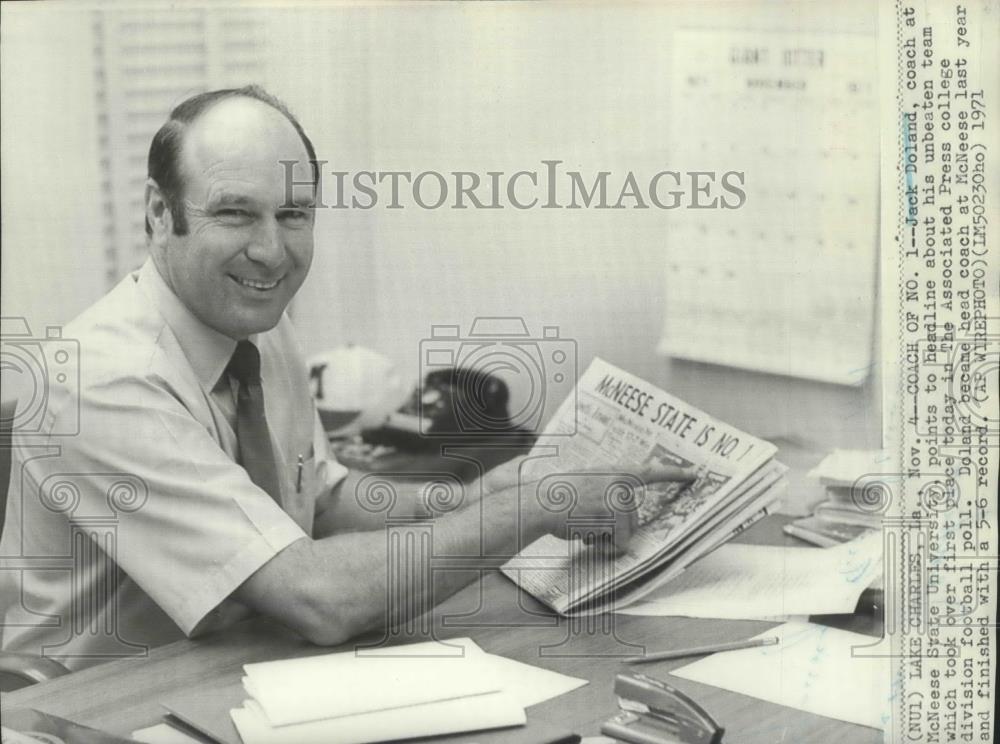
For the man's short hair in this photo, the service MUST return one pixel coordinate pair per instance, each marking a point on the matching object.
(165, 150)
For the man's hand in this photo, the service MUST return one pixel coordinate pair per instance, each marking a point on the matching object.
(605, 498)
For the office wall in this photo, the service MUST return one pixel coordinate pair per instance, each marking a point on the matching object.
(444, 87)
(85, 87)
(497, 87)
(52, 258)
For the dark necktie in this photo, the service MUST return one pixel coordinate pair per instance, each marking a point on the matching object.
(252, 434)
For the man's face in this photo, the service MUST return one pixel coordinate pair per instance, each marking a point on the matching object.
(247, 249)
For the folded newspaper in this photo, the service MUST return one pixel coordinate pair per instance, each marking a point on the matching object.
(615, 419)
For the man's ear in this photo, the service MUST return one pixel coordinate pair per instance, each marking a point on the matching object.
(161, 221)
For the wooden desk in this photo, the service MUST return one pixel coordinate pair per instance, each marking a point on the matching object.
(124, 695)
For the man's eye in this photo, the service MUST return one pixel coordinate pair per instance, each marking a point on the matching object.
(294, 217)
(238, 216)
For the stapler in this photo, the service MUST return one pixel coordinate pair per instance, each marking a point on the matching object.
(653, 712)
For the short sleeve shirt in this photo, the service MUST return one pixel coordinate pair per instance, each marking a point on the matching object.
(129, 522)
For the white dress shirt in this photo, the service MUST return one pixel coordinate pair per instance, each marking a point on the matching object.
(150, 484)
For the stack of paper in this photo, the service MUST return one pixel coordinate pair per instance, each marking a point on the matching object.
(422, 689)
(857, 495)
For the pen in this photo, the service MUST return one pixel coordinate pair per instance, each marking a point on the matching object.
(298, 478)
(682, 652)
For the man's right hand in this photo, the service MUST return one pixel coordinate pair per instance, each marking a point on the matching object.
(602, 501)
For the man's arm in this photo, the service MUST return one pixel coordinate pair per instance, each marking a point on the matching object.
(341, 511)
(333, 588)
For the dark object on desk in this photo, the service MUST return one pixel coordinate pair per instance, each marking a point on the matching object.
(464, 400)
(653, 712)
(34, 723)
(453, 403)
(871, 602)
(868, 617)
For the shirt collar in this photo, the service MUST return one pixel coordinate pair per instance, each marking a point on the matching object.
(207, 351)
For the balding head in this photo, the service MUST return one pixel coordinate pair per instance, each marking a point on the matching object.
(164, 162)
(227, 238)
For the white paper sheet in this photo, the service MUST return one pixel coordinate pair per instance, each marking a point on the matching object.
(762, 581)
(475, 713)
(811, 669)
(342, 684)
(527, 684)
(844, 467)
(518, 686)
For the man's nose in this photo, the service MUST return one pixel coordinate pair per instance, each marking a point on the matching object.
(267, 246)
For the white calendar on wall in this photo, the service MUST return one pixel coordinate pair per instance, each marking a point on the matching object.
(785, 284)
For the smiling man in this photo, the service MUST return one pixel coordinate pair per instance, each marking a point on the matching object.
(230, 249)
(159, 402)
(199, 488)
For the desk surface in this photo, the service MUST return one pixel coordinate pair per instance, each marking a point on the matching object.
(124, 695)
